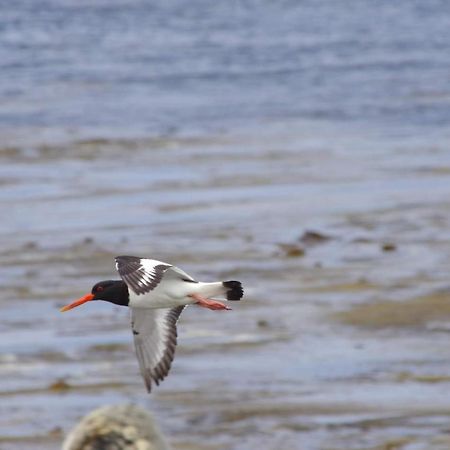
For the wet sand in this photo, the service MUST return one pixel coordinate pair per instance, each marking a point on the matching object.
(341, 341)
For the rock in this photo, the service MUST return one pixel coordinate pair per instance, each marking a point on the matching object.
(292, 250)
(59, 385)
(388, 247)
(116, 427)
(310, 237)
(262, 323)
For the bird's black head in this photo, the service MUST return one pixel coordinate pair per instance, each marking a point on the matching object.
(109, 290)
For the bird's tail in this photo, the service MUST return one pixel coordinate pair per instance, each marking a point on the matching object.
(232, 290)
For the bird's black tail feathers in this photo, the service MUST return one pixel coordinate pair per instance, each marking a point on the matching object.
(234, 290)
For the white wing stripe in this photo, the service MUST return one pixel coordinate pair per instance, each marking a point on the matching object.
(155, 338)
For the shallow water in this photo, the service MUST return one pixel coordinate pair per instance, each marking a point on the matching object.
(219, 148)
(343, 347)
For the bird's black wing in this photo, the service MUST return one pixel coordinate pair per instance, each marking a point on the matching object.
(141, 274)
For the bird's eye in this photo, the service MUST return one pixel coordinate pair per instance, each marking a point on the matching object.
(99, 288)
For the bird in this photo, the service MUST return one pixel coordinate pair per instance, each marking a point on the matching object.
(157, 293)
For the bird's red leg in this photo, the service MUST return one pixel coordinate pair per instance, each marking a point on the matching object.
(208, 303)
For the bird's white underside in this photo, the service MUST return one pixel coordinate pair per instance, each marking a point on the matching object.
(150, 342)
(172, 290)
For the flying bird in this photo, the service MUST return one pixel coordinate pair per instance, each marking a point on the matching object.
(157, 293)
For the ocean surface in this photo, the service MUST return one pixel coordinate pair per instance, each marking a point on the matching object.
(300, 147)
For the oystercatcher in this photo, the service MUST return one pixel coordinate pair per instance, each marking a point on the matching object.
(157, 293)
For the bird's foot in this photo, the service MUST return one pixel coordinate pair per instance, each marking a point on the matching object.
(208, 303)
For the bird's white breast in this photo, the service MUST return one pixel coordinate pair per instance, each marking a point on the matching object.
(167, 294)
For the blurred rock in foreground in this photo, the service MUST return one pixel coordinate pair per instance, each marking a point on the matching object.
(120, 427)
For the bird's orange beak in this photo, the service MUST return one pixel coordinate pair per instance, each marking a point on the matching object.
(78, 302)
